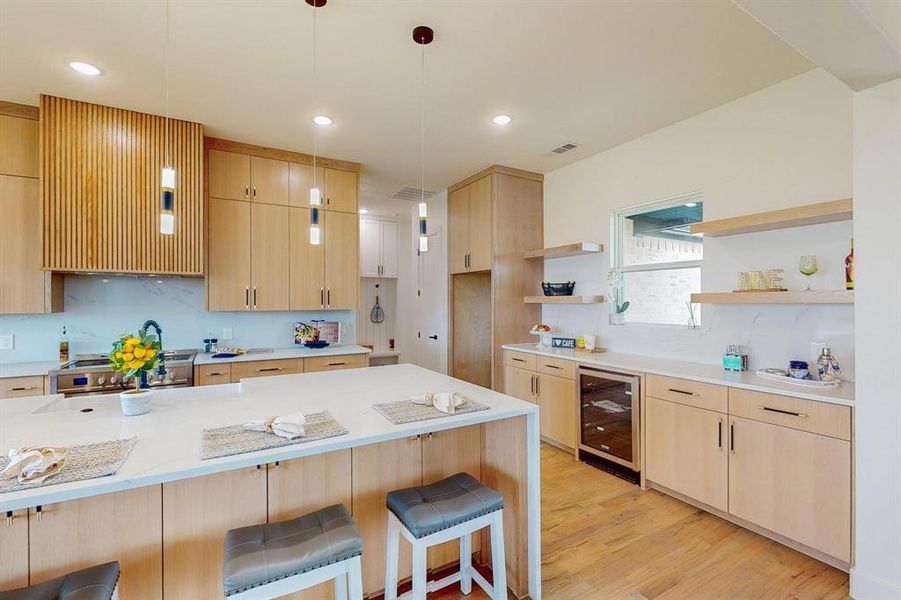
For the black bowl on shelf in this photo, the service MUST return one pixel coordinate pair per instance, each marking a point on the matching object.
(558, 289)
(315, 344)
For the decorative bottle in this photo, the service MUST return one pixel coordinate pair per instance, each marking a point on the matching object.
(63, 347)
(849, 268)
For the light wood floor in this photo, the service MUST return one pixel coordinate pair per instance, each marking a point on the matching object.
(605, 538)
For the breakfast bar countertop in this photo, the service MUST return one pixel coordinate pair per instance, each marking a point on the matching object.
(206, 358)
(706, 373)
(169, 437)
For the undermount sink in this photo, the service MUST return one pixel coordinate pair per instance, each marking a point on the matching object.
(85, 404)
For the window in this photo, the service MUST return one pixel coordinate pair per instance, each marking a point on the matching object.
(660, 260)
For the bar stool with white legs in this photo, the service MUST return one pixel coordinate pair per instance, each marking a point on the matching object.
(100, 582)
(433, 514)
(274, 559)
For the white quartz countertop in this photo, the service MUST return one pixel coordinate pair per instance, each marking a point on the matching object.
(206, 358)
(169, 437)
(706, 373)
(26, 369)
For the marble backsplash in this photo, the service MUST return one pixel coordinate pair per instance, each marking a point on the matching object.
(98, 308)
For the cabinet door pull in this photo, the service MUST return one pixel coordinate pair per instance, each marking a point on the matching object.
(215, 374)
(532, 384)
(9, 518)
(254, 296)
(268, 369)
(517, 359)
(328, 297)
(537, 385)
(552, 366)
(246, 298)
(720, 434)
(321, 297)
(246, 192)
(337, 364)
(39, 511)
(23, 389)
(254, 192)
(732, 437)
(783, 412)
(684, 392)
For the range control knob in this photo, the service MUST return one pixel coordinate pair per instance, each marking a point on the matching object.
(113, 379)
(101, 380)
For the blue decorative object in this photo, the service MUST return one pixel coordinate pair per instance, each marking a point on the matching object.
(563, 342)
(798, 369)
(316, 344)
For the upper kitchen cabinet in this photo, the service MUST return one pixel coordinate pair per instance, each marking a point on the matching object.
(100, 190)
(24, 287)
(338, 187)
(378, 247)
(469, 222)
(494, 217)
(259, 251)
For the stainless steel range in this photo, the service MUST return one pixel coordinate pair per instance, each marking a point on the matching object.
(91, 374)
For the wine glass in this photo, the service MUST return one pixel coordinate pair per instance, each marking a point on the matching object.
(808, 266)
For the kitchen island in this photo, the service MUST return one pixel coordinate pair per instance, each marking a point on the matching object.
(164, 514)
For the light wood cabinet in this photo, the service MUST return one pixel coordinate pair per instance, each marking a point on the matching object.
(265, 368)
(301, 181)
(196, 515)
(520, 383)
(229, 262)
(377, 470)
(229, 175)
(303, 485)
(378, 248)
(339, 192)
(685, 451)
(14, 551)
(342, 279)
(24, 287)
(446, 453)
(307, 265)
(469, 222)
(124, 526)
(269, 181)
(21, 387)
(458, 230)
(269, 268)
(557, 401)
(335, 363)
(794, 483)
(212, 374)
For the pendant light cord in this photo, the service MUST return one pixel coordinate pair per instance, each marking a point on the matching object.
(315, 137)
(422, 128)
(166, 129)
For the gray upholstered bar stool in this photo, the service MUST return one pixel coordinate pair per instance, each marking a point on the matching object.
(433, 514)
(274, 559)
(94, 583)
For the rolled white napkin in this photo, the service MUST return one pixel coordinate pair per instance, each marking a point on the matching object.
(34, 464)
(446, 402)
(288, 426)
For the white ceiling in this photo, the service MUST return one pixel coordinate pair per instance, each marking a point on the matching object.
(593, 72)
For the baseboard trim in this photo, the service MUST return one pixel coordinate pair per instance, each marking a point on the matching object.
(869, 587)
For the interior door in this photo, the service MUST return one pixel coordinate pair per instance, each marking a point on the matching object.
(388, 248)
(340, 190)
(229, 175)
(269, 180)
(370, 247)
(306, 264)
(269, 261)
(228, 262)
(685, 450)
(341, 270)
(480, 224)
(431, 301)
(458, 230)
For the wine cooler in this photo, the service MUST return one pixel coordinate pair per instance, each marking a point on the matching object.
(609, 419)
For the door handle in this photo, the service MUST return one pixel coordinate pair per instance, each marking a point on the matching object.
(254, 192)
(732, 437)
(254, 296)
(720, 434)
(433, 337)
(246, 298)
(328, 297)
(246, 192)
(532, 384)
(537, 385)
(321, 297)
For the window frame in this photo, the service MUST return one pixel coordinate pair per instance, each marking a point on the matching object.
(617, 231)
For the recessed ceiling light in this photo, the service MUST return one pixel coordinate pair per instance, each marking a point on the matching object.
(84, 68)
(501, 120)
(322, 120)
(364, 211)
(691, 204)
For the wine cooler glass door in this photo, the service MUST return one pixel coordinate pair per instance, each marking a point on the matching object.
(608, 421)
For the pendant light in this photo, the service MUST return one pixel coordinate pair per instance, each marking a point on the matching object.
(423, 36)
(315, 192)
(167, 183)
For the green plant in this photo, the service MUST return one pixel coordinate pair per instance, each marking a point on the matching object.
(132, 355)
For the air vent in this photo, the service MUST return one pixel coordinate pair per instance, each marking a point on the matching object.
(566, 148)
(412, 194)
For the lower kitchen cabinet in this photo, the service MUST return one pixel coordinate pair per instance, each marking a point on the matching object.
(686, 451)
(196, 515)
(124, 526)
(302, 485)
(14, 550)
(335, 363)
(212, 374)
(794, 483)
(21, 387)
(555, 395)
(265, 368)
(520, 383)
(377, 470)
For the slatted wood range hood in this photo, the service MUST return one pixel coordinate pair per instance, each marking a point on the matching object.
(100, 190)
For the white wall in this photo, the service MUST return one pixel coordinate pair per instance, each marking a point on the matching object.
(99, 308)
(877, 218)
(786, 145)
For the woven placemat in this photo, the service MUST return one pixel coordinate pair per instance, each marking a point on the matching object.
(234, 439)
(82, 462)
(407, 411)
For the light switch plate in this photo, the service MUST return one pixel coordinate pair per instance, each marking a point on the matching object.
(7, 342)
(227, 333)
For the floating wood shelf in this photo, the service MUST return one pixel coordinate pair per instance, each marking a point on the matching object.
(802, 297)
(812, 214)
(564, 299)
(567, 250)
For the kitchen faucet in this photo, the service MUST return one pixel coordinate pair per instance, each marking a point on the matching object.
(161, 369)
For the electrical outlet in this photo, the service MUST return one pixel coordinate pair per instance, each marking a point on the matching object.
(227, 333)
(7, 342)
